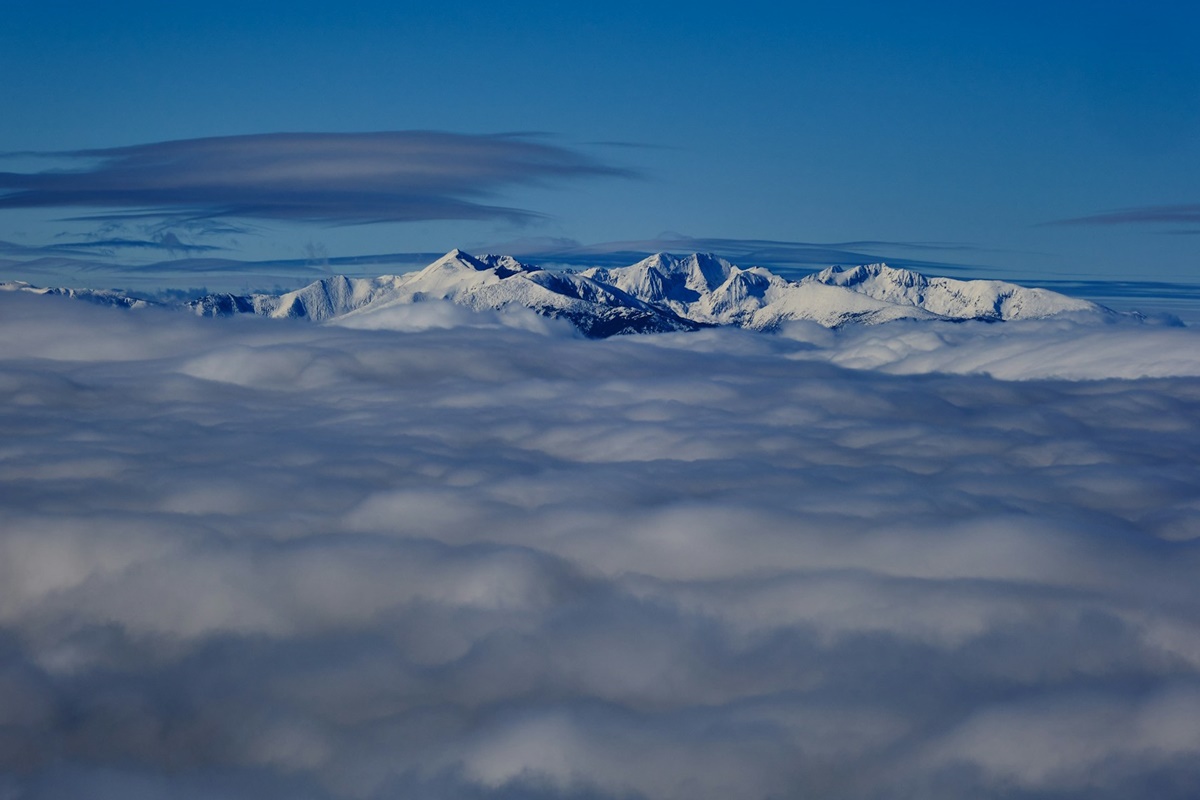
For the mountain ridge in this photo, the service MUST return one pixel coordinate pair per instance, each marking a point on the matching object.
(660, 293)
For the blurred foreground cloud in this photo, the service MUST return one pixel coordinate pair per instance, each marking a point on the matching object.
(254, 559)
(340, 178)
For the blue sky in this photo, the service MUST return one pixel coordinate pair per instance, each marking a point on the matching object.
(1020, 140)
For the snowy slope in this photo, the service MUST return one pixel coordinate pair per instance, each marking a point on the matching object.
(663, 279)
(946, 297)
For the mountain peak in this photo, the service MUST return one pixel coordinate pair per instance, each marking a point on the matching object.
(457, 259)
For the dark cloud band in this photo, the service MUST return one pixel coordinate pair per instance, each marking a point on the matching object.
(1183, 214)
(340, 178)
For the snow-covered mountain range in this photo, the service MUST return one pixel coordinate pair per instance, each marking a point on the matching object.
(658, 294)
(104, 297)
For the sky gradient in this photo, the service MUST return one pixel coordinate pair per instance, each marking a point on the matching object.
(1018, 140)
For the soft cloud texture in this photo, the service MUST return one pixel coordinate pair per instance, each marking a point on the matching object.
(1051, 348)
(343, 178)
(477, 557)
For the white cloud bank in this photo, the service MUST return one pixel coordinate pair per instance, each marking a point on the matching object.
(254, 559)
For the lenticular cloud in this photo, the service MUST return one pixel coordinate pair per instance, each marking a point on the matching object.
(482, 558)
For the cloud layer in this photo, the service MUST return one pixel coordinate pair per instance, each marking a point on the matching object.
(477, 557)
(343, 178)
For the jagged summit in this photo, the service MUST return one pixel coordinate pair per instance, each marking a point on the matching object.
(663, 277)
(660, 293)
(506, 265)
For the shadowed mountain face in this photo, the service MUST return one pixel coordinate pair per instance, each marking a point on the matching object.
(659, 294)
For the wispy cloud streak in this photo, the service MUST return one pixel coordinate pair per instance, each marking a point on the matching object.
(1183, 214)
(780, 255)
(341, 178)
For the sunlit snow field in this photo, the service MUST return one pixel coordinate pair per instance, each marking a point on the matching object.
(460, 554)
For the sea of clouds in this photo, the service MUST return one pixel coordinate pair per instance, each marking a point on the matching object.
(446, 554)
